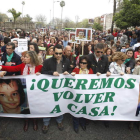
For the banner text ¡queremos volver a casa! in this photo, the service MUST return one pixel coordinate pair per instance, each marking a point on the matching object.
(90, 96)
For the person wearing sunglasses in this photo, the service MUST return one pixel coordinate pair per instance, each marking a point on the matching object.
(58, 64)
(84, 68)
(99, 61)
(117, 66)
(100, 64)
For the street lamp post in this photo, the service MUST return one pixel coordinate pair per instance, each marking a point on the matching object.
(53, 10)
(23, 3)
(62, 4)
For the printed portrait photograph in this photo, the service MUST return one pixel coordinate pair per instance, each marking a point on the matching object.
(138, 107)
(13, 96)
(90, 21)
(72, 37)
(89, 35)
(80, 34)
(78, 41)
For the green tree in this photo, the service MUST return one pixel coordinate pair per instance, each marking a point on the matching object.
(3, 17)
(129, 15)
(14, 13)
(84, 23)
(27, 18)
(97, 26)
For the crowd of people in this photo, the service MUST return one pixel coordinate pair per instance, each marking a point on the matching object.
(52, 53)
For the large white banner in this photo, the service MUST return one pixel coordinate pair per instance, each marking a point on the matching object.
(89, 96)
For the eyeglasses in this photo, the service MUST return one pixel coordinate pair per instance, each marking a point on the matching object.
(58, 53)
(99, 52)
(84, 63)
(8, 48)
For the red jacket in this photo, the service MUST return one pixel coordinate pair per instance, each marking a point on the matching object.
(76, 70)
(20, 68)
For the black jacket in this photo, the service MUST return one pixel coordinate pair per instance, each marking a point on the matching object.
(131, 63)
(101, 66)
(49, 66)
(15, 59)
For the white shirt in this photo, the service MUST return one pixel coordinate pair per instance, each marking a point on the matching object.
(136, 45)
(16, 51)
(114, 68)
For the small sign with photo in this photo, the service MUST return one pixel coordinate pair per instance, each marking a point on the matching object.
(83, 34)
(72, 37)
(90, 21)
(78, 42)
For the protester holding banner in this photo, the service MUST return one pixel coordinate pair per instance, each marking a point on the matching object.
(130, 61)
(33, 47)
(99, 61)
(117, 66)
(84, 68)
(31, 66)
(54, 66)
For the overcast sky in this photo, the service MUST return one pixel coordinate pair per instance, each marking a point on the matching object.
(82, 8)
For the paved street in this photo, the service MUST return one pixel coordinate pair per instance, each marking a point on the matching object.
(12, 129)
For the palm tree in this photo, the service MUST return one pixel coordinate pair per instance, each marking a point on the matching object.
(14, 13)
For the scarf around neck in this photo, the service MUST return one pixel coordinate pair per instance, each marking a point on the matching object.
(27, 70)
(9, 57)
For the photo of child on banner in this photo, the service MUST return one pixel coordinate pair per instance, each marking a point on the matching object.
(72, 37)
(90, 21)
(138, 107)
(13, 96)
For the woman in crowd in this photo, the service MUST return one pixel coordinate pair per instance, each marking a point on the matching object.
(108, 52)
(60, 42)
(84, 68)
(33, 47)
(137, 53)
(130, 61)
(117, 66)
(133, 40)
(52, 42)
(31, 65)
(50, 52)
(89, 48)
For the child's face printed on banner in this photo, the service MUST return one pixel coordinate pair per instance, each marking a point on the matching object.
(9, 95)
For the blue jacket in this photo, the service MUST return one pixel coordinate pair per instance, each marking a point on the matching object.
(133, 42)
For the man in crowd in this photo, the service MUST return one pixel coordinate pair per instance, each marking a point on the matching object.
(16, 47)
(6, 40)
(55, 65)
(99, 61)
(100, 64)
(10, 58)
(69, 55)
(137, 45)
(1, 37)
(65, 41)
